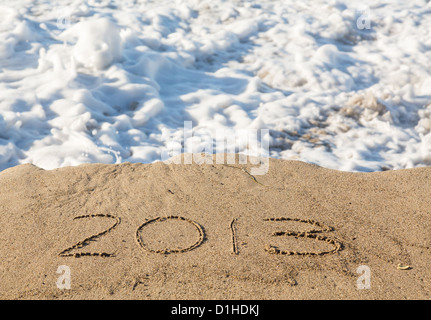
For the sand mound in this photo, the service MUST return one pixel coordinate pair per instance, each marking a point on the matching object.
(214, 231)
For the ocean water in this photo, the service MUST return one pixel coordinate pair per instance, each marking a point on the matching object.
(342, 84)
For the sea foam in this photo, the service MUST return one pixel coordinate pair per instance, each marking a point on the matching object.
(336, 83)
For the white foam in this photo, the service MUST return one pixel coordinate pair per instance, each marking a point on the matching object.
(337, 83)
(98, 42)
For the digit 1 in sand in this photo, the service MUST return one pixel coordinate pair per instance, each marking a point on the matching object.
(234, 242)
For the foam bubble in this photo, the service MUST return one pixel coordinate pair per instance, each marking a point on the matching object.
(98, 42)
(103, 81)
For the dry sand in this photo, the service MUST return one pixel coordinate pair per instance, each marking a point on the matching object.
(198, 231)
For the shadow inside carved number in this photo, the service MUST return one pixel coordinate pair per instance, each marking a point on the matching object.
(311, 234)
(146, 247)
(82, 243)
(234, 241)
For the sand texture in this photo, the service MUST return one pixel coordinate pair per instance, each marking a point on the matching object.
(214, 231)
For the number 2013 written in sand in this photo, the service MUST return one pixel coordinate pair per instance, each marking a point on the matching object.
(318, 234)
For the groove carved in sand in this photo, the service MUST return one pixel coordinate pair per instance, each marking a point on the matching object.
(82, 243)
(312, 234)
(167, 250)
(234, 242)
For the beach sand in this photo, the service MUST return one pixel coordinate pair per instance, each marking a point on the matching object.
(214, 231)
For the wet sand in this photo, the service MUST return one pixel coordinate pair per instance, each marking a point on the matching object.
(214, 231)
